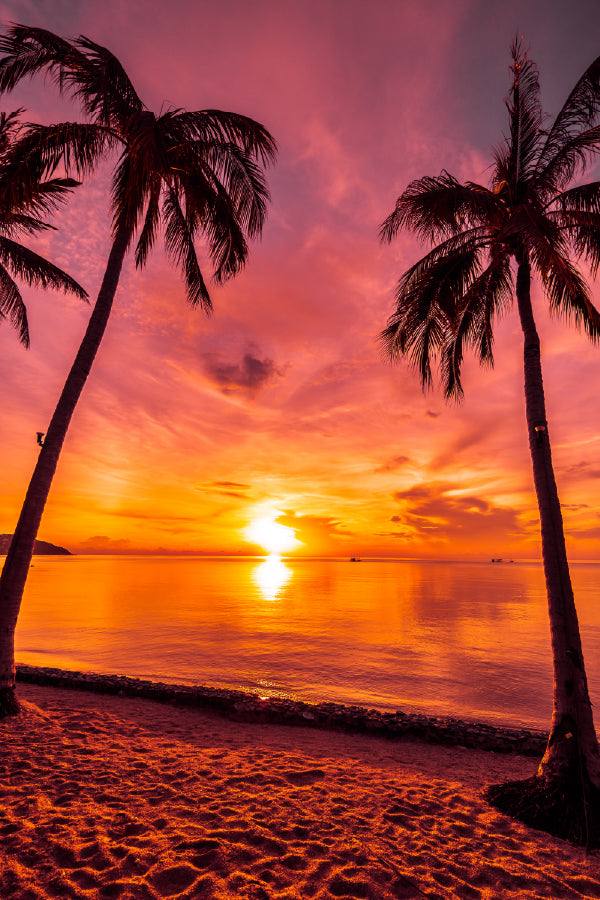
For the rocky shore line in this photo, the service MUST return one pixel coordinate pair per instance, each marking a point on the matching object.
(247, 707)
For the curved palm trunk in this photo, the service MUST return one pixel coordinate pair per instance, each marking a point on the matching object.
(564, 797)
(18, 559)
(572, 745)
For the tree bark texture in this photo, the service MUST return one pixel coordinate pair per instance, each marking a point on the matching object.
(572, 744)
(18, 559)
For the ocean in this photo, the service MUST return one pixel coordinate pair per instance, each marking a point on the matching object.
(469, 640)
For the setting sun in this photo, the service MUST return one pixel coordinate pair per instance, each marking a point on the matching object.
(272, 535)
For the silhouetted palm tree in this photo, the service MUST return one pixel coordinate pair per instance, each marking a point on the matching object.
(21, 204)
(193, 173)
(529, 219)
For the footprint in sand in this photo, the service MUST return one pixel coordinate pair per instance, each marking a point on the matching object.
(301, 777)
(172, 881)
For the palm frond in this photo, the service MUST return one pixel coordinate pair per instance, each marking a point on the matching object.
(472, 239)
(217, 126)
(180, 246)
(571, 159)
(27, 51)
(102, 85)
(525, 113)
(23, 166)
(12, 306)
(10, 126)
(129, 193)
(151, 222)
(81, 68)
(211, 211)
(42, 148)
(583, 197)
(34, 269)
(579, 113)
(583, 232)
(488, 295)
(227, 245)
(569, 297)
(567, 291)
(225, 155)
(438, 283)
(48, 195)
(427, 299)
(38, 199)
(421, 345)
(243, 180)
(13, 224)
(436, 208)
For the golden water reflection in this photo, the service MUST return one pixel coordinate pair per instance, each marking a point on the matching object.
(271, 576)
(464, 639)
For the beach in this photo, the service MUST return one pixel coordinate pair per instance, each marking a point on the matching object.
(120, 797)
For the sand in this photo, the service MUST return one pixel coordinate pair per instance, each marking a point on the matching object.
(111, 797)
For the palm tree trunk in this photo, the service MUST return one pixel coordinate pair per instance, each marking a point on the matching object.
(572, 746)
(18, 559)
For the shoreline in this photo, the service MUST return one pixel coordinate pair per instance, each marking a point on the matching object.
(243, 706)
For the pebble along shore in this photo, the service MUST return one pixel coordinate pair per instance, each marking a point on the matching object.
(247, 707)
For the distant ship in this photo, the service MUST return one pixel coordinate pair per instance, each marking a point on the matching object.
(355, 559)
(502, 560)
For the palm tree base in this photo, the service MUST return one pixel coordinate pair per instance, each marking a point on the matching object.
(9, 705)
(566, 806)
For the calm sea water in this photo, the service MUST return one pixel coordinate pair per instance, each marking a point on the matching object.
(464, 639)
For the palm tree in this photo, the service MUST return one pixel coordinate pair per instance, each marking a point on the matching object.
(21, 204)
(530, 220)
(194, 173)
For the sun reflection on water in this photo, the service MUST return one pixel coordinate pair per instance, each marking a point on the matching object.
(271, 576)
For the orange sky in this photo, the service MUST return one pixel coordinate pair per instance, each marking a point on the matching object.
(281, 403)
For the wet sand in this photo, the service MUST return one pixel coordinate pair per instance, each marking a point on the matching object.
(115, 797)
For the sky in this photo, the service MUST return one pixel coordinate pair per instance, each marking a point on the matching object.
(281, 406)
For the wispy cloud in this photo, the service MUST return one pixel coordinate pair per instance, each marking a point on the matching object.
(393, 464)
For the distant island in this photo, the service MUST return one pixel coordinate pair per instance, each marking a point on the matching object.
(39, 547)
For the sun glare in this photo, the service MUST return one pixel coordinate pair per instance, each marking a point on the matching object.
(271, 576)
(272, 535)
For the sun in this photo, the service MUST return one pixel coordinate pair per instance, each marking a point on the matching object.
(272, 535)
